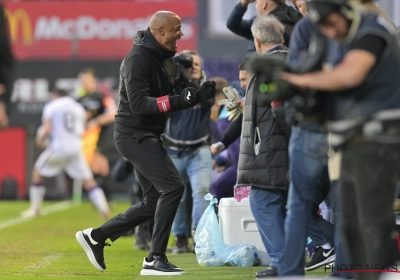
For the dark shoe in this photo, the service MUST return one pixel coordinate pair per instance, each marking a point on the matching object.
(265, 273)
(321, 257)
(94, 250)
(160, 266)
(181, 245)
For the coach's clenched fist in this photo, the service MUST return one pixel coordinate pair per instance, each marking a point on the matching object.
(206, 91)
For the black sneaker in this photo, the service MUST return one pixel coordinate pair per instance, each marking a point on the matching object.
(321, 257)
(160, 266)
(94, 250)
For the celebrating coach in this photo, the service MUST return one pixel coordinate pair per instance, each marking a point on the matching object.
(147, 93)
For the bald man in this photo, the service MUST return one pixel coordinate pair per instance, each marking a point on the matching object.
(146, 95)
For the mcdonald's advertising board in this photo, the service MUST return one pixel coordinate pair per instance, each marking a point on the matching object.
(88, 29)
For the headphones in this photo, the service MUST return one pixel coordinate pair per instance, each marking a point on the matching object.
(318, 10)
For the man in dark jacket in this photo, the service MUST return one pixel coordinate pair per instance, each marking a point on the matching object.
(146, 94)
(288, 16)
(6, 70)
(263, 159)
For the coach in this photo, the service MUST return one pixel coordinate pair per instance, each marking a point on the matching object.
(146, 95)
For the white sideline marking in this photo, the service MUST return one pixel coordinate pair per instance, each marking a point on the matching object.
(46, 211)
(45, 261)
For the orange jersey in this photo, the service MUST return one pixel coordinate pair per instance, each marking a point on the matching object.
(89, 140)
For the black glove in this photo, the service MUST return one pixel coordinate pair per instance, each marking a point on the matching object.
(206, 91)
(186, 99)
(190, 96)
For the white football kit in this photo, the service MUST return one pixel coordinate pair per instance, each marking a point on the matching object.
(68, 119)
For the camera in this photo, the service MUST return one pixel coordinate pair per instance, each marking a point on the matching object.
(182, 61)
(268, 68)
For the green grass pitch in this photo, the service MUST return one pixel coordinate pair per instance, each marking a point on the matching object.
(46, 248)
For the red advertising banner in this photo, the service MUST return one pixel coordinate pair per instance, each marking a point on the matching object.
(13, 157)
(89, 29)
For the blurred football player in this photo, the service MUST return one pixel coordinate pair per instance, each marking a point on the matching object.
(63, 124)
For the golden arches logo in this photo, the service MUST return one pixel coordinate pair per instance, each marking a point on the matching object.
(18, 18)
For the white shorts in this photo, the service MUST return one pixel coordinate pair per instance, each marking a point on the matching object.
(50, 164)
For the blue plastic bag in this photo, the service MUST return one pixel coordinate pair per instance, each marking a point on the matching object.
(210, 247)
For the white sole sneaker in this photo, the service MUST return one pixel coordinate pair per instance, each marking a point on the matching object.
(153, 272)
(329, 261)
(81, 240)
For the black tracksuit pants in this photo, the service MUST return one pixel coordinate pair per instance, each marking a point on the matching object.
(369, 173)
(160, 181)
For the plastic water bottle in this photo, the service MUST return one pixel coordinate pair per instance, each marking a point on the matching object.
(240, 192)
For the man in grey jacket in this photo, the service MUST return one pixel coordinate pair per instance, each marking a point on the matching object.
(263, 158)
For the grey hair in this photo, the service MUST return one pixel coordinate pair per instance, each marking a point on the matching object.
(268, 29)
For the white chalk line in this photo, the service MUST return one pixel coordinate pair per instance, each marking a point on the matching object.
(45, 211)
(45, 261)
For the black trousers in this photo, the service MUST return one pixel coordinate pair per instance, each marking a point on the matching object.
(161, 183)
(367, 184)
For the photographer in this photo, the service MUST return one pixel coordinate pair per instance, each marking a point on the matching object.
(186, 140)
(365, 124)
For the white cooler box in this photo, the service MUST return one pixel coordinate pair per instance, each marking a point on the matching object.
(237, 225)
